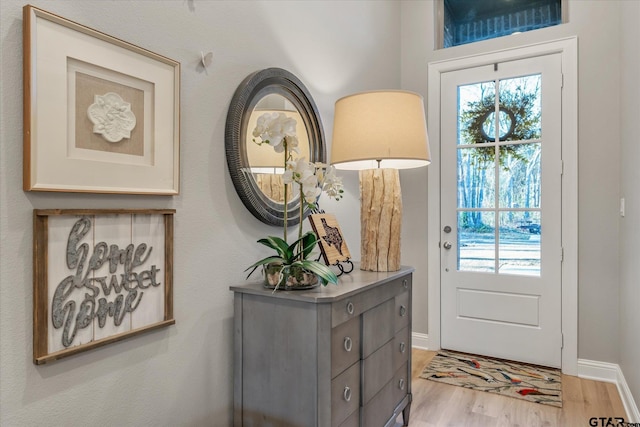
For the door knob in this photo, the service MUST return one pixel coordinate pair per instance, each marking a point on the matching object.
(446, 245)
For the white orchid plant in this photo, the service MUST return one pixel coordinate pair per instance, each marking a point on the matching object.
(279, 131)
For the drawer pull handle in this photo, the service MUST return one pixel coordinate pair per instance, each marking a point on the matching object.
(350, 308)
(347, 394)
(401, 384)
(405, 283)
(403, 311)
(348, 344)
(402, 347)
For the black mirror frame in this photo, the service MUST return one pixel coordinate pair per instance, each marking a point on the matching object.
(270, 80)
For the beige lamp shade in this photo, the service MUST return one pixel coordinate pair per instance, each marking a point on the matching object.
(380, 129)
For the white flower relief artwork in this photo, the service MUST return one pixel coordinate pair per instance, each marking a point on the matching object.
(111, 117)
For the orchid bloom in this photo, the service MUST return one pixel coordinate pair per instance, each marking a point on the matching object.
(276, 128)
(313, 178)
(330, 182)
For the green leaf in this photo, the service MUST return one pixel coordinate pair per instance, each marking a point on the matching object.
(301, 248)
(324, 272)
(305, 244)
(292, 247)
(309, 241)
(279, 245)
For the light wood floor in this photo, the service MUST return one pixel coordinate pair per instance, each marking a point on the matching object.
(436, 404)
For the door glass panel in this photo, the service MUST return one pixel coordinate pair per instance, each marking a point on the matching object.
(499, 141)
(475, 103)
(519, 243)
(520, 175)
(476, 241)
(520, 108)
(476, 177)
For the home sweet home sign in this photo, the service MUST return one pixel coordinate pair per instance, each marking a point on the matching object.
(99, 276)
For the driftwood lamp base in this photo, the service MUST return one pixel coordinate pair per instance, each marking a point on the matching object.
(381, 219)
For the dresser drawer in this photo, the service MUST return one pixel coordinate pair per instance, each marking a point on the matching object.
(400, 384)
(345, 345)
(402, 311)
(401, 347)
(352, 421)
(379, 409)
(377, 370)
(377, 327)
(345, 394)
(354, 305)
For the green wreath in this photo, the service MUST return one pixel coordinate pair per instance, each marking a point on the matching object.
(516, 107)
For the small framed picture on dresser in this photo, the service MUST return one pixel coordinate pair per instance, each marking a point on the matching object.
(330, 238)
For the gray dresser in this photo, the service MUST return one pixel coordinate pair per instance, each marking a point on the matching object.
(330, 356)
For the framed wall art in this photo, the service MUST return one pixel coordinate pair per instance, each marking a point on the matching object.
(99, 276)
(100, 115)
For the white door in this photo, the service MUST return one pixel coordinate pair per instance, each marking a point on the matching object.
(501, 172)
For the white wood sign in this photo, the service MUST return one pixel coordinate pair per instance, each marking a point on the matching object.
(99, 276)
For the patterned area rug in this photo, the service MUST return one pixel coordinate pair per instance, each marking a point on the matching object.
(522, 381)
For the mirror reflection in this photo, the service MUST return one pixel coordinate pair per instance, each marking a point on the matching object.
(265, 165)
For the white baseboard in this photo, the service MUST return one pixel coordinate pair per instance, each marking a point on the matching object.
(611, 373)
(420, 341)
(599, 371)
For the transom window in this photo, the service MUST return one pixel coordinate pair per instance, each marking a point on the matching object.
(467, 21)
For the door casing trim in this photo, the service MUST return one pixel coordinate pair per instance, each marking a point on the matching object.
(568, 48)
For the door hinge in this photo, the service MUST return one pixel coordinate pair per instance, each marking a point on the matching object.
(561, 254)
(561, 340)
(561, 167)
(561, 80)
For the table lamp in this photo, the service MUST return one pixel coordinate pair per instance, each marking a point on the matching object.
(377, 133)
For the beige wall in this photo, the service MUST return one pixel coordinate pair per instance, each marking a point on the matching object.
(630, 178)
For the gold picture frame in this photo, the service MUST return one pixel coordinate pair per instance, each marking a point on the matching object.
(100, 114)
(332, 244)
(91, 270)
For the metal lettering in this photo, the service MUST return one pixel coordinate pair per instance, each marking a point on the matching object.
(122, 285)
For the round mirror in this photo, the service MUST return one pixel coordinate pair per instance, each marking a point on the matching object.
(256, 170)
